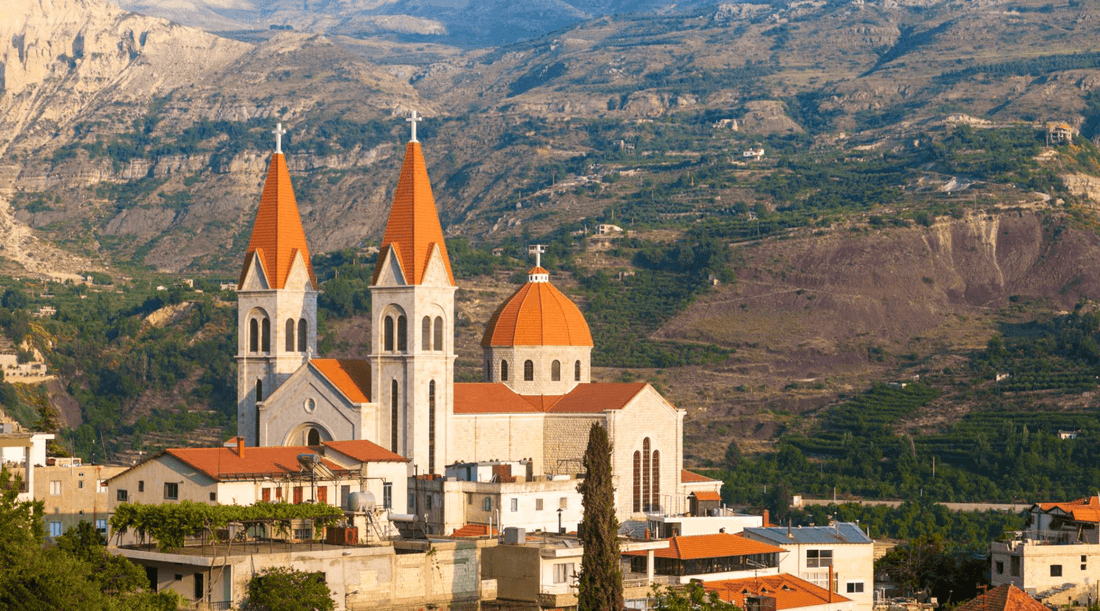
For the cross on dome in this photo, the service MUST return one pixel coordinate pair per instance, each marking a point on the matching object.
(537, 274)
(278, 131)
(414, 119)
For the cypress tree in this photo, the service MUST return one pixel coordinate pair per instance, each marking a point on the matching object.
(600, 587)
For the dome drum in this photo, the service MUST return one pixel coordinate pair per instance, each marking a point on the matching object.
(552, 370)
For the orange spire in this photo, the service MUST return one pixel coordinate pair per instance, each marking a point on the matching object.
(413, 227)
(277, 234)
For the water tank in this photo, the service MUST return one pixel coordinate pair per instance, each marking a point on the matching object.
(360, 501)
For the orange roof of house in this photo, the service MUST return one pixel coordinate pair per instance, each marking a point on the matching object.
(474, 530)
(351, 376)
(1003, 598)
(707, 495)
(538, 314)
(1081, 510)
(220, 463)
(789, 591)
(689, 477)
(363, 451)
(499, 398)
(277, 234)
(720, 545)
(413, 228)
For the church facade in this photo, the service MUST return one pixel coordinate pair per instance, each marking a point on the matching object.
(536, 404)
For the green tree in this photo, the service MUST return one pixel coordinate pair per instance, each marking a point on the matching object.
(285, 589)
(600, 585)
(691, 598)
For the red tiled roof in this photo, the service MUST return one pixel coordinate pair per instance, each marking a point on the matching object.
(720, 545)
(707, 495)
(499, 398)
(537, 314)
(363, 451)
(474, 530)
(1081, 510)
(688, 477)
(1003, 598)
(789, 591)
(413, 227)
(351, 376)
(277, 234)
(220, 463)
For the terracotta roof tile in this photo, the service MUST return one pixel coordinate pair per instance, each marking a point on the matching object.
(221, 463)
(720, 545)
(413, 225)
(689, 477)
(707, 495)
(490, 398)
(363, 451)
(499, 398)
(277, 234)
(474, 530)
(789, 591)
(1003, 598)
(537, 314)
(585, 398)
(351, 376)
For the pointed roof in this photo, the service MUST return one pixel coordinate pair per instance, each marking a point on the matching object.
(789, 591)
(277, 234)
(351, 376)
(1003, 598)
(413, 228)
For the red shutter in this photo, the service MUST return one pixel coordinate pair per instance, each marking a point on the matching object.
(297, 495)
(267, 495)
(322, 494)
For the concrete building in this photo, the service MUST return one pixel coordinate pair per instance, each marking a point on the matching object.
(22, 453)
(722, 520)
(842, 552)
(72, 493)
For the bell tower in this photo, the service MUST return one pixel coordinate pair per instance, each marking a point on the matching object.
(412, 318)
(276, 300)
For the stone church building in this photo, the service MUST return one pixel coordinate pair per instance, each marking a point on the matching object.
(537, 401)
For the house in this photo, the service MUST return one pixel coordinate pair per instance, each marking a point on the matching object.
(1056, 555)
(781, 592)
(1006, 597)
(722, 519)
(72, 492)
(22, 453)
(710, 557)
(840, 552)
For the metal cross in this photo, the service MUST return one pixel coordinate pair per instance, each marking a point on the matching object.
(414, 119)
(278, 131)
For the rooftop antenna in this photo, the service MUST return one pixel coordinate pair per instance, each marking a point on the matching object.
(278, 131)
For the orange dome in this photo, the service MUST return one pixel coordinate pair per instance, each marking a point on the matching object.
(537, 315)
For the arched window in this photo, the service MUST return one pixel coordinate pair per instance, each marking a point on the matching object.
(645, 474)
(402, 334)
(439, 333)
(426, 333)
(504, 371)
(388, 334)
(254, 335)
(431, 426)
(259, 390)
(393, 415)
(655, 502)
(313, 438)
(265, 335)
(577, 371)
(637, 481)
(528, 371)
(303, 335)
(555, 371)
(290, 335)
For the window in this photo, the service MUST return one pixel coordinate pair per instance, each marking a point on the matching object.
(393, 416)
(637, 481)
(345, 492)
(428, 501)
(1015, 566)
(1000, 567)
(297, 495)
(253, 335)
(322, 494)
(55, 487)
(563, 503)
(487, 503)
(645, 474)
(266, 495)
(200, 589)
(122, 496)
(259, 390)
(213, 496)
(655, 466)
(562, 572)
(101, 525)
(387, 495)
(303, 335)
(514, 505)
(577, 371)
(438, 333)
(402, 334)
(488, 371)
(313, 438)
(538, 504)
(290, 335)
(388, 334)
(431, 426)
(426, 333)
(555, 371)
(528, 371)
(265, 335)
(504, 371)
(55, 529)
(171, 491)
(1055, 570)
(80, 484)
(819, 558)
(855, 587)
(141, 485)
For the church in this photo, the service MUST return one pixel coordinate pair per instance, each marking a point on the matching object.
(534, 407)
